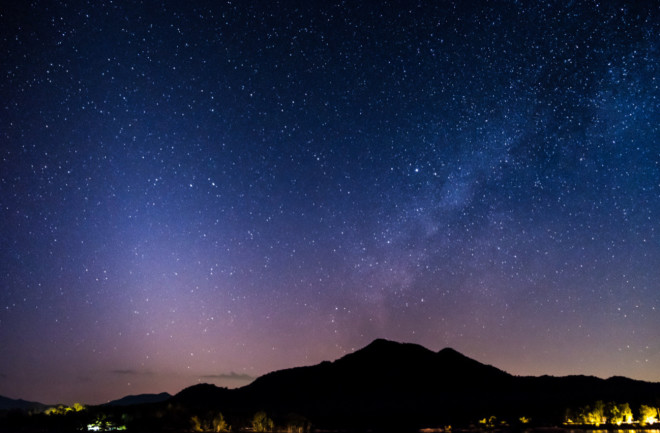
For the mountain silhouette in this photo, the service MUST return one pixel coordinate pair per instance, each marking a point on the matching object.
(385, 386)
(131, 400)
(9, 404)
(395, 385)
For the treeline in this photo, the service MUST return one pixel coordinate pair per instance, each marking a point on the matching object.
(259, 423)
(147, 418)
(612, 413)
(173, 417)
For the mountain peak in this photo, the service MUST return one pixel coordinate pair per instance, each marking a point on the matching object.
(380, 341)
(382, 344)
(381, 350)
(451, 355)
(448, 351)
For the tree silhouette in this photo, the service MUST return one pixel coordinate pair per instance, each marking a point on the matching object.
(261, 423)
(648, 415)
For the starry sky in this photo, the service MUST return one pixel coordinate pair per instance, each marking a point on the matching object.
(207, 191)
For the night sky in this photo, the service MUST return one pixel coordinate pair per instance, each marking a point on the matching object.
(209, 191)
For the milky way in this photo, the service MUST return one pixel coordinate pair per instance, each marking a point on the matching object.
(212, 191)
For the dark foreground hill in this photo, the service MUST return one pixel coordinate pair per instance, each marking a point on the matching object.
(391, 385)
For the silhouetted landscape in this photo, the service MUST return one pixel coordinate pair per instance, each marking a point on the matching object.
(384, 386)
